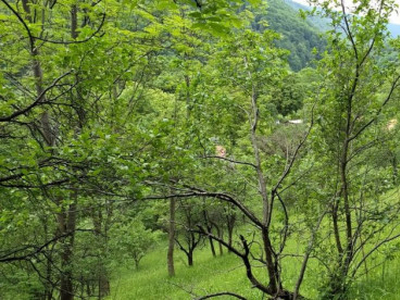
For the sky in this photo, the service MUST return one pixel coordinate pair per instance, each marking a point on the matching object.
(395, 18)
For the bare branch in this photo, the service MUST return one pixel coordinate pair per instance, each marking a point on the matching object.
(79, 41)
(348, 31)
(307, 257)
(231, 160)
(221, 294)
(36, 102)
(244, 256)
(376, 247)
(286, 227)
(19, 17)
(12, 256)
(196, 192)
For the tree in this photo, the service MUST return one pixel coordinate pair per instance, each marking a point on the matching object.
(358, 87)
(186, 237)
(132, 240)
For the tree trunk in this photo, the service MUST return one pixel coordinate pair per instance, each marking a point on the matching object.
(230, 225)
(49, 267)
(103, 282)
(273, 272)
(190, 257)
(48, 292)
(137, 263)
(209, 226)
(68, 223)
(221, 247)
(171, 238)
(212, 245)
(395, 169)
(104, 285)
(221, 237)
(231, 219)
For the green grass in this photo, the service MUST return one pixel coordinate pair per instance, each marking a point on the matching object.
(226, 273)
(379, 279)
(209, 274)
(380, 283)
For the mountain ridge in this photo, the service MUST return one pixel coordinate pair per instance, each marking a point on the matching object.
(323, 25)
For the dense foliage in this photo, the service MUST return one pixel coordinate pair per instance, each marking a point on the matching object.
(124, 123)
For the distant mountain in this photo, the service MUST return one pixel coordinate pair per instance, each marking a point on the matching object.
(299, 36)
(318, 22)
(323, 24)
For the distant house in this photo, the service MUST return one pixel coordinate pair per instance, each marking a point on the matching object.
(391, 124)
(298, 121)
(220, 151)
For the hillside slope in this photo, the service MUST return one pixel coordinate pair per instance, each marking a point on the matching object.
(298, 36)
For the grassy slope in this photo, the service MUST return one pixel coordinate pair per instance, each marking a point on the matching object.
(225, 273)
(208, 275)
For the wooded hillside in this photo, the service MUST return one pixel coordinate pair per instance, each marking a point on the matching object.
(177, 150)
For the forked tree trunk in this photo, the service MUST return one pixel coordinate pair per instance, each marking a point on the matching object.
(209, 226)
(220, 235)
